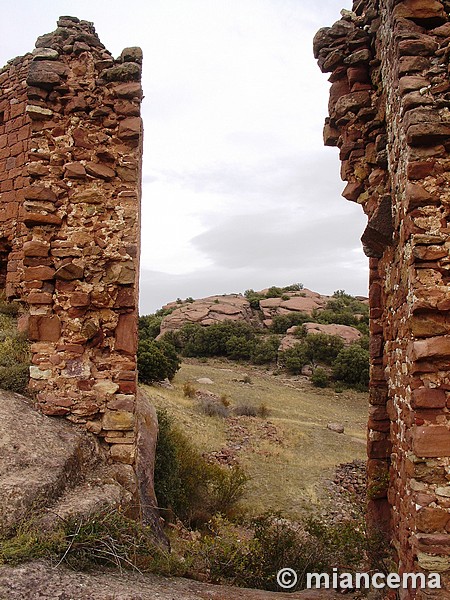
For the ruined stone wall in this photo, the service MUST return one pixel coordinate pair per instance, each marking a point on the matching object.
(389, 115)
(70, 171)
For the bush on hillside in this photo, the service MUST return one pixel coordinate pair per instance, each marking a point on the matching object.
(156, 360)
(14, 350)
(186, 485)
(197, 341)
(149, 327)
(265, 350)
(312, 349)
(352, 366)
(294, 359)
(320, 378)
(281, 323)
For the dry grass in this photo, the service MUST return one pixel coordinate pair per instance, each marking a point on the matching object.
(287, 472)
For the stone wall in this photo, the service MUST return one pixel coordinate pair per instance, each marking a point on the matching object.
(389, 116)
(70, 171)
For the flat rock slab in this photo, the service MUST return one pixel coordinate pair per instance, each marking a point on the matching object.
(39, 457)
(41, 581)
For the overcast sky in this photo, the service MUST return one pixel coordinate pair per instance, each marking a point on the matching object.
(238, 190)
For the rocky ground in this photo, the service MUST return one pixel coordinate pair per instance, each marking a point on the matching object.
(43, 581)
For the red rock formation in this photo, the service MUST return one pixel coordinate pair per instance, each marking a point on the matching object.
(388, 108)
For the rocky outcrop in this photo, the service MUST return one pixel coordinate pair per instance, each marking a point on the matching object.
(303, 301)
(208, 311)
(49, 465)
(51, 470)
(235, 307)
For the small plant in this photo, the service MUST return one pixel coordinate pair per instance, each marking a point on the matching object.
(106, 538)
(213, 408)
(263, 410)
(246, 409)
(188, 390)
(225, 400)
(246, 379)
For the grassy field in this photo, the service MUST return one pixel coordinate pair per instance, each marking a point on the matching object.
(288, 454)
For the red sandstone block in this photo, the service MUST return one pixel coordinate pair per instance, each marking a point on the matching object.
(36, 248)
(44, 328)
(71, 348)
(85, 385)
(39, 298)
(126, 334)
(33, 219)
(79, 299)
(379, 448)
(24, 133)
(17, 109)
(127, 387)
(431, 441)
(432, 347)
(40, 273)
(428, 398)
(17, 148)
(428, 415)
(6, 185)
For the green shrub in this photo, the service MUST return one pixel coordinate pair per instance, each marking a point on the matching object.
(314, 547)
(230, 338)
(149, 327)
(322, 348)
(265, 350)
(157, 360)
(294, 359)
(239, 347)
(352, 366)
(294, 287)
(254, 298)
(106, 538)
(14, 378)
(186, 484)
(319, 378)
(281, 323)
(14, 350)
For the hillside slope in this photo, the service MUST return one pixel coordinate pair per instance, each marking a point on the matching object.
(290, 454)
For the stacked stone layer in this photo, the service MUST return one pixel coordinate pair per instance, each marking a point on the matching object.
(389, 116)
(70, 170)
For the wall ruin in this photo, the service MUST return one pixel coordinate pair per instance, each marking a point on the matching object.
(70, 172)
(389, 116)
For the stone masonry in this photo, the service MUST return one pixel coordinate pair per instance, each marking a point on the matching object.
(70, 171)
(389, 115)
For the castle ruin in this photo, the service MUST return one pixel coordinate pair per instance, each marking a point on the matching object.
(389, 116)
